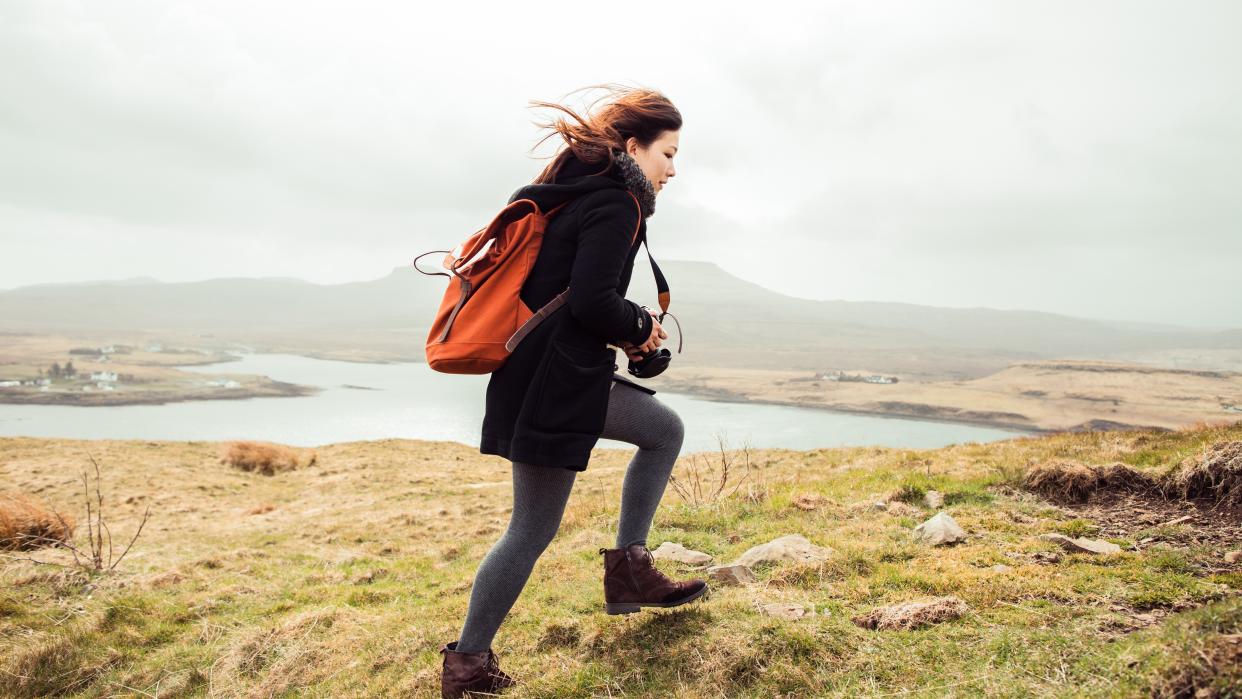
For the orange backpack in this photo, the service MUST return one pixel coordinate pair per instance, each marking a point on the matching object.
(481, 317)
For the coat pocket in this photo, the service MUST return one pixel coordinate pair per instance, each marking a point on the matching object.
(573, 394)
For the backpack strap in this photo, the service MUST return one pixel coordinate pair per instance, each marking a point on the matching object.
(560, 299)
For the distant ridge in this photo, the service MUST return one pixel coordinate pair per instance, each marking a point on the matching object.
(727, 321)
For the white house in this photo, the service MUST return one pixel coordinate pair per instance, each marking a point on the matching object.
(224, 383)
(103, 376)
(6, 384)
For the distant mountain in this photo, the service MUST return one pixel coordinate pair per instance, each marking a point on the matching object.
(727, 321)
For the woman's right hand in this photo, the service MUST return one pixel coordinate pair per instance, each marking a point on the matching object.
(657, 334)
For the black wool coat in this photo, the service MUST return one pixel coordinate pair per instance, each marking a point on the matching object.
(546, 404)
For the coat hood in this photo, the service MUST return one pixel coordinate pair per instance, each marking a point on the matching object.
(577, 178)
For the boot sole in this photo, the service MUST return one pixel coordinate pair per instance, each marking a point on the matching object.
(631, 607)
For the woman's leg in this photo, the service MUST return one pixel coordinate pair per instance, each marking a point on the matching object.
(539, 497)
(656, 429)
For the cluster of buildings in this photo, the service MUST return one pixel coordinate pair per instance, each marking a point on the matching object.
(42, 384)
(842, 376)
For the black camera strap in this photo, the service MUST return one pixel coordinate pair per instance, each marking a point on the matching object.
(662, 292)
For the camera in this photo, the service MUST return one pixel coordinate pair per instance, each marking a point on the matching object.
(653, 363)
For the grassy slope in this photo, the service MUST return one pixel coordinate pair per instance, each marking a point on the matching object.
(363, 567)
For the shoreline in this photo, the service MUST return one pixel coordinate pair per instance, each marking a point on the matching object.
(107, 399)
(715, 395)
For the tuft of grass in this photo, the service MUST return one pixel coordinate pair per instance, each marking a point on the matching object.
(265, 457)
(1077, 527)
(27, 523)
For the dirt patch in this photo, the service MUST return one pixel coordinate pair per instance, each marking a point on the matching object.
(1199, 503)
(1150, 519)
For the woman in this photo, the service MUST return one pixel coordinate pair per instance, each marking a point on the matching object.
(558, 392)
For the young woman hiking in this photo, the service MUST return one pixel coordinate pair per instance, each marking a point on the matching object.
(557, 394)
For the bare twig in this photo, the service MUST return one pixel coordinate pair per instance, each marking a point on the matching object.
(135, 538)
(97, 530)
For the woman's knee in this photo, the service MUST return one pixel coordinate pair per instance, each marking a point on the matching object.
(674, 430)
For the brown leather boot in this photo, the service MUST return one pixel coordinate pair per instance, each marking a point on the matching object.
(631, 581)
(470, 672)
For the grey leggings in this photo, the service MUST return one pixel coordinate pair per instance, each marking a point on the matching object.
(539, 497)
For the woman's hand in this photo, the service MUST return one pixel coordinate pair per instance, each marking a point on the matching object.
(657, 334)
(636, 352)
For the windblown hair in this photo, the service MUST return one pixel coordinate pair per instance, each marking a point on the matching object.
(631, 111)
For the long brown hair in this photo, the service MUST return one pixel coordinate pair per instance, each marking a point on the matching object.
(633, 111)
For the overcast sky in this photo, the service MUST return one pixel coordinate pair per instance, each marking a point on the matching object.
(1076, 157)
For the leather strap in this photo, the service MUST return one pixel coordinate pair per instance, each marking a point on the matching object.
(556, 302)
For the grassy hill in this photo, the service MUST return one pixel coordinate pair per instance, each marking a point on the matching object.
(342, 578)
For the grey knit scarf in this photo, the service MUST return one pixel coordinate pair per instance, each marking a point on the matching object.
(636, 181)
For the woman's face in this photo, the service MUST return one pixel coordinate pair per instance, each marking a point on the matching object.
(656, 160)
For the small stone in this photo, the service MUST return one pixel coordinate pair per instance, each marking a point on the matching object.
(939, 530)
(671, 551)
(933, 499)
(1179, 520)
(731, 574)
(1081, 545)
(791, 547)
(1001, 568)
(1233, 557)
(879, 506)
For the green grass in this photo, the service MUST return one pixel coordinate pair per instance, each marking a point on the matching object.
(277, 610)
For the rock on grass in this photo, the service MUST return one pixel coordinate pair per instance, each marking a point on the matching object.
(791, 547)
(673, 551)
(912, 615)
(1081, 545)
(938, 530)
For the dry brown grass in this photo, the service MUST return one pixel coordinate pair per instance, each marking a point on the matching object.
(26, 523)
(912, 615)
(1068, 480)
(1062, 479)
(266, 458)
(1216, 474)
